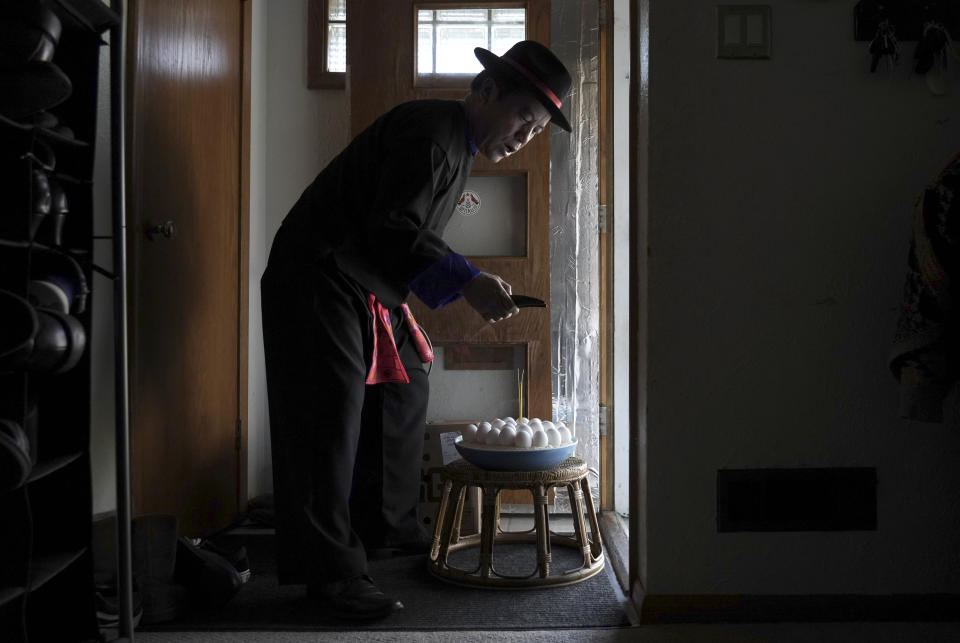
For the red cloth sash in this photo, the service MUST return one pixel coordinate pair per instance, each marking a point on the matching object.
(385, 364)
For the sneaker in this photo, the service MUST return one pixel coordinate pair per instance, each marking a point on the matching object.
(210, 578)
(108, 607)
(238, 557)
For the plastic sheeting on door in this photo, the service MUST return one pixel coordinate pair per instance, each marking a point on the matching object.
(574, 244)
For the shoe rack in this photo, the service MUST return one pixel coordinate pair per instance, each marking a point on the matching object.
(49, 72)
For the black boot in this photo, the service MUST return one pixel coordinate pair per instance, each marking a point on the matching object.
(354, 599)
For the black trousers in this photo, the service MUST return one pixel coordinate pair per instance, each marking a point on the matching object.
(346, 456)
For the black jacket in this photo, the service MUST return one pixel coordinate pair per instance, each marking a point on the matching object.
(380, 207)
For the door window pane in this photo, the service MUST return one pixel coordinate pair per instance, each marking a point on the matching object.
(502, 38)
(425, 49)
(446, 38)
(462, 15)
(509, 15)
(455, 46)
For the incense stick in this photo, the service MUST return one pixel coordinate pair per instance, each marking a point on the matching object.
(519, 393)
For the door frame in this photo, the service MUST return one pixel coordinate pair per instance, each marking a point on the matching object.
(639, 294)
(623, 324)
(243, 257)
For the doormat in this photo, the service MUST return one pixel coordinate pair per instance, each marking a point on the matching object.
(429, 603)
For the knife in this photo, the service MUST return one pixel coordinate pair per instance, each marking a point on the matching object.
(523, 301)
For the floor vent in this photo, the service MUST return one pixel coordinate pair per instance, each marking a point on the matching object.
(807, 499)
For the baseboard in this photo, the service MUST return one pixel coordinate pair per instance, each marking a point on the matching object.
(103, 515)
(745, 608)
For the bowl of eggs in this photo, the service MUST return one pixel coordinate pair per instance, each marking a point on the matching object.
(516, 445)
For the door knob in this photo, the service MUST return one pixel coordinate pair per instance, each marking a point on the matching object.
(167, 229)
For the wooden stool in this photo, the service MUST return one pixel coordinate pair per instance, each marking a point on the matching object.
(460, 475)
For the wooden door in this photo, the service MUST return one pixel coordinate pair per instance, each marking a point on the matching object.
(185, 67)
(380, 55)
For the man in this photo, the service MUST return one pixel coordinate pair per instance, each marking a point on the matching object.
(346, 384)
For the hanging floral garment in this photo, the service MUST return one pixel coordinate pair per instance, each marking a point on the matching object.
(926, 349)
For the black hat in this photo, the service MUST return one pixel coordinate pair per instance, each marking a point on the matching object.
(536, 67)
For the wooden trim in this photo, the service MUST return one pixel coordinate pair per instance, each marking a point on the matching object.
(317, 75)
(132, 239)
(243, 255)
(616, 546)
(463, 4)
(605, 198)
(443, 81)
(639, 127)
(774, 608)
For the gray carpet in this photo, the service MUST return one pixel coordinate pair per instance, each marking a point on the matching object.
(759, 633)
(429, 603)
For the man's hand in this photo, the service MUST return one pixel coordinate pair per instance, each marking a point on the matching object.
(490, 297)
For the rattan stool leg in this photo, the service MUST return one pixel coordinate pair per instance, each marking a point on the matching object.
(579, 525)
(596, 544)
(542, 523)
(451, 491)
(488, 529)
(458, 519)
(438, 521)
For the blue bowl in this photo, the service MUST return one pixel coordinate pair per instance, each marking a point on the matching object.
(498, 458)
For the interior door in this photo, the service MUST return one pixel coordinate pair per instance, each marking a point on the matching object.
(185, 70)
(381, 75)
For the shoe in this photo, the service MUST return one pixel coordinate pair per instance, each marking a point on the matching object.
(238, 557)
(108, 607)
(211, 579)
(413, 548)
(354, 599)
(414, 544)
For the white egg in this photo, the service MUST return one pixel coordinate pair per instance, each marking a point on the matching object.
(565, 437)
(523, 421)
(482, 433)
(497, 424)
(508, 419)
(535, 422)
(492, 437)
(485, 425)
(526, 428)
(507, 436)
(524, 439)
(547, 424)
(469, 433)
(539, 439)
(553, 437)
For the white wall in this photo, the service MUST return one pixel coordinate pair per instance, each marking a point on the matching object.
(780, 198)
(296, 132)
(258, 472)
(102, 445)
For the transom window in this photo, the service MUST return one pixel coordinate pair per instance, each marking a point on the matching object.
(446, 37)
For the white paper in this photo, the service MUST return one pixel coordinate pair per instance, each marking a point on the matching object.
(448, 452)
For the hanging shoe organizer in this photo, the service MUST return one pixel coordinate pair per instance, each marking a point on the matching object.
(49, 70)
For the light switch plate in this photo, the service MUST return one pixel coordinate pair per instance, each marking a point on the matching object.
(744, 31)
